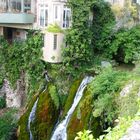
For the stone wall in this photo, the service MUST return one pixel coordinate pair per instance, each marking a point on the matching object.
(14, 97)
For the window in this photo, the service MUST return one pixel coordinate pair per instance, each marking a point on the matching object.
(43, 15)
(66, 17)
(56, 12)
(27, 5)
(55, 42)
(16, 5)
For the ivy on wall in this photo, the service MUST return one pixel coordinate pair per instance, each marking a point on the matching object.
(78, 37)
(22, 57)
(92, 23)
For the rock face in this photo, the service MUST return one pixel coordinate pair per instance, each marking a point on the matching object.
(105, 64)
(46, 116)
(82, 118)
(126, 90)
(133, 133)
(14, 98)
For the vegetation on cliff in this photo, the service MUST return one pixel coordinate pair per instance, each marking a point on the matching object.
(45, 119)
(17, 60)
(92, 36)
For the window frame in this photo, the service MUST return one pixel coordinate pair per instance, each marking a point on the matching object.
(55, 39)
(43, 8)
(66, 17)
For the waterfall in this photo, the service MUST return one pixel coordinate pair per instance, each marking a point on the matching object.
(31, 118)
(60, 131)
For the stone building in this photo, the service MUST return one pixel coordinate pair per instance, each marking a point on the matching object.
(18, 16)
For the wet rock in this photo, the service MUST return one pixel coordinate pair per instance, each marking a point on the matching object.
(133, 133)
(46, 116)
(126, 90)
(105, 64)
(13, 97)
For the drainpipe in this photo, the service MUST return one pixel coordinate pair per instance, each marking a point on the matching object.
(22, 6)
(9, 6)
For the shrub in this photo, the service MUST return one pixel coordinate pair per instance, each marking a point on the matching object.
(85, 135)
(8, 124)
(124, 45)
(104, 89)
(2, 102)
(54, 95)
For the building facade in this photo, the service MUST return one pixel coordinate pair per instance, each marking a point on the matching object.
(121, 3)
(18, 16)
(116, 2)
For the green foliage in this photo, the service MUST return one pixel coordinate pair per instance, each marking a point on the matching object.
(124, 45)
(54, 28)
(124, 123)
(2, 102)
(92, 23)
(102, 25)
(54, 95)
(23, 58)
(8, 124)
(127, 105)
(85, 135)
(46, 117)
(70, 98)
(78, 37)
(23, 121)
(104, 89)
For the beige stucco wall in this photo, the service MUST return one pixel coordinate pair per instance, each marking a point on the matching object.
(118, 2)
(19, 34)
(1, 30)
(49, 54)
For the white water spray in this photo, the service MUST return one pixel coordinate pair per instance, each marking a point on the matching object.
(60, 131)
(32, 117)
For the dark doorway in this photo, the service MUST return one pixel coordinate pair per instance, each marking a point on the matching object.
(8, 34)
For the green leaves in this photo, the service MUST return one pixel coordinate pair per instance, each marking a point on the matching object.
(54, 95)
(85, 135)
(22, 57)
(78, 38)
(8, 125)
(104, 89)
(125, 45)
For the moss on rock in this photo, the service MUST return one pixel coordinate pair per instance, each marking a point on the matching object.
(82, 118)
(70, 98)
(23, 133)
(46, 117)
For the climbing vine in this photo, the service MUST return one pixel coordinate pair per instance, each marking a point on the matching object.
(78, 37)
(92, 22)
(124, 45)
(22, 58)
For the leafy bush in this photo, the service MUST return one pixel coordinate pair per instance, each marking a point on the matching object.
(2, 102)
(54, 95)
(85, 135)
(102, 25)
(1, 82)
(16, 59)
(78, 37)
(104, 89)
(8, 124)
(124, 45)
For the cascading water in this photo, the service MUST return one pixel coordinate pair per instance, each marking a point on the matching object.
(60, 131)
(31, 118)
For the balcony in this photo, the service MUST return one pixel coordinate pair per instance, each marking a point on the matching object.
(16, 18)
(16, 11)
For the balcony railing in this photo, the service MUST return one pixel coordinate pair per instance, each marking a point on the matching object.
(15, 6)
(16, 11)
(16, 18)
